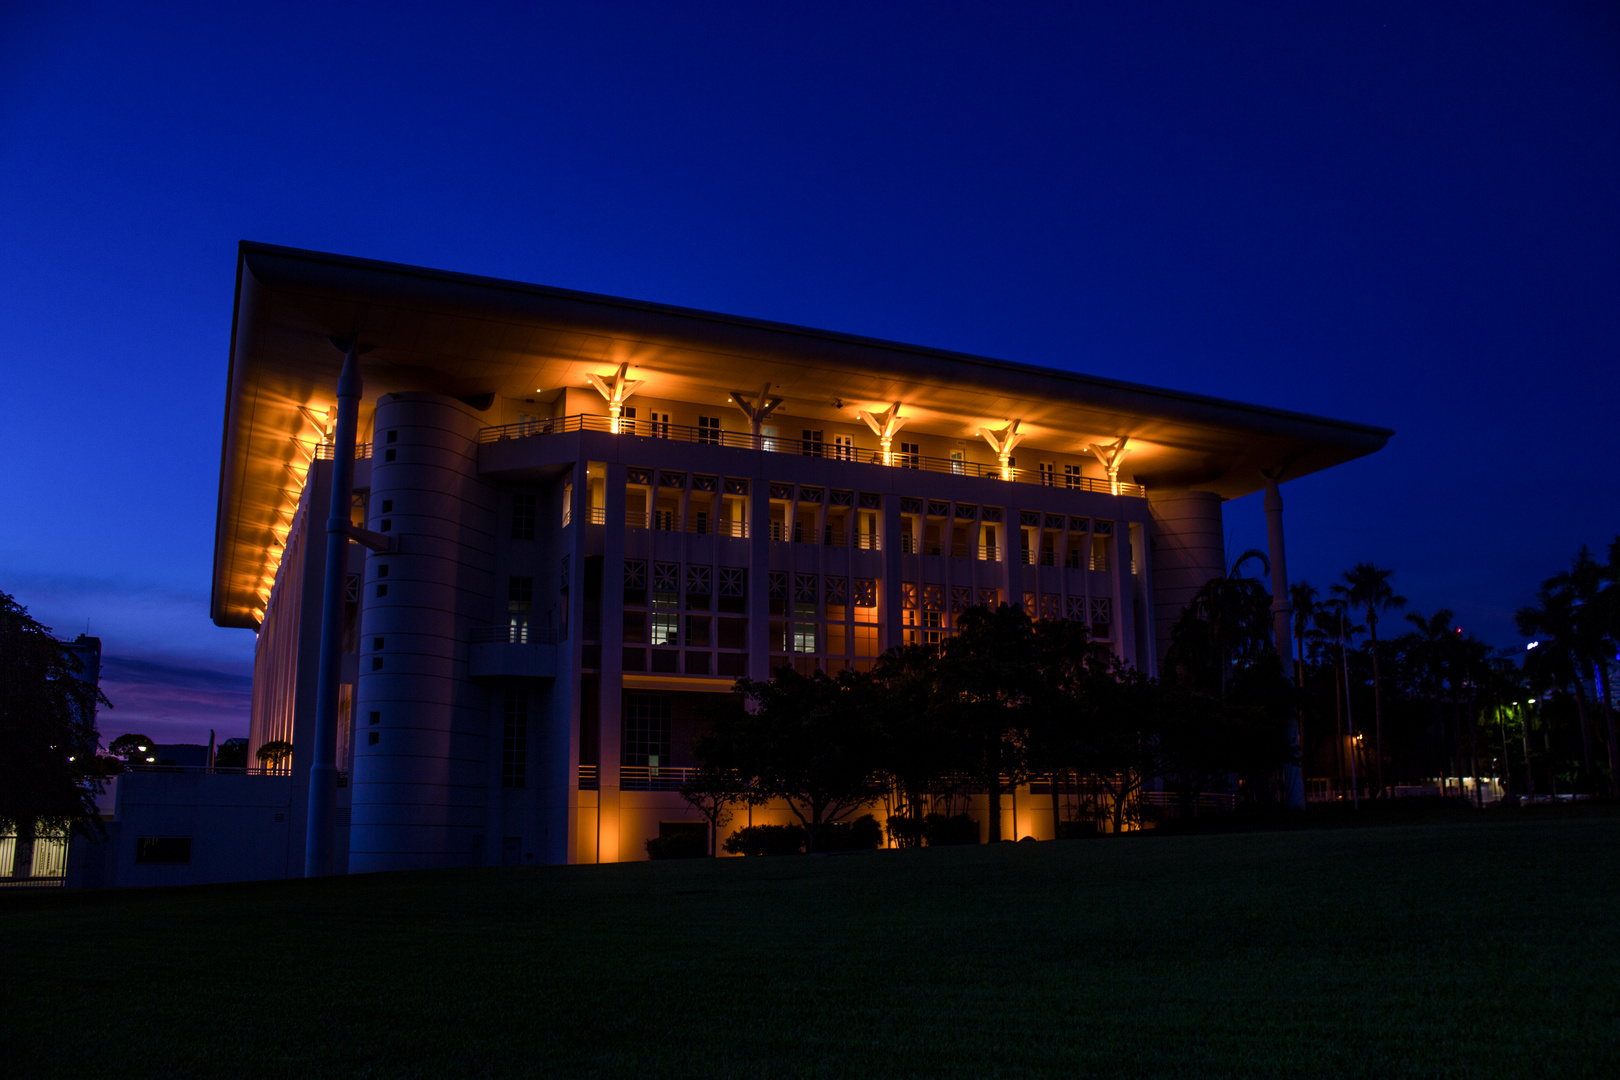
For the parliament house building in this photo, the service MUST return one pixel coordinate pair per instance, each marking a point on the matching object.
(572, 518)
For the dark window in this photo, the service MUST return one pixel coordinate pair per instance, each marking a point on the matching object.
(590, 721)
(697, 663)
(387, 525)
(635, 627)
(382, 570)
(697, 631)
(709, 429)
(376, 663)
(376, 643)
(732, 663)
(666, 661)
(634, 659)
(520, 595)
(646, 729)
(733, 633)
(389, 456)
(163, 849)
(374, 738)
(523, 513)
(393, 436)
(388, 506)
(515, 740)
(382, 590)
(376, 718)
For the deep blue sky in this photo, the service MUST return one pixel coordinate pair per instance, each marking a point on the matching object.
(1407, 215)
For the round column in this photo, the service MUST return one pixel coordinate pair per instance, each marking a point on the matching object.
(422, 733)
(1188, 550)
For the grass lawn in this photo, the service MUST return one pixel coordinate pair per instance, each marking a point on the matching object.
(1489, 947)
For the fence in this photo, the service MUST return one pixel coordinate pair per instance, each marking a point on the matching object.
(772, 444)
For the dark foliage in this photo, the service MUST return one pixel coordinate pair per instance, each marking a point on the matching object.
(49, 772)
(766, 840)
(681, 845)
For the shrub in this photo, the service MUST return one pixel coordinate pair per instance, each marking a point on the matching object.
(1077, 830)
(766, 840)
(862, 834)
(681, 845)
(940, 830)
(905, 831)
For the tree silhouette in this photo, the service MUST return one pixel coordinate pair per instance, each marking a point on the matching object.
(1366, 587)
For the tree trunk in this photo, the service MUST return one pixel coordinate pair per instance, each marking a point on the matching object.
(1338, 727)
(1378, 707)
(1586, 734)
(992, 817)
(1057, 809)
(1608, 719)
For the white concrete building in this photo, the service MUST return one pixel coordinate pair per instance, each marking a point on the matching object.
(588, 512)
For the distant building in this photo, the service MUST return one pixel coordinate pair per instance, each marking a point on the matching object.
(603, 510)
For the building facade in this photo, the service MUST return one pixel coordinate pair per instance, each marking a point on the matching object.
(588, 515)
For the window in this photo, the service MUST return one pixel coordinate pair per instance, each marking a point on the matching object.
(163, 849)
(1071, 476)
(393, 437)
(382, 590)
(376, 718)
(709, 430)
(959, 461)
(658, 425)
(568, 505)
(646, 729)
(374, 738)
(769, 433)
(627, 420)
(910, 456)
(515, 740)
(697, 631)
(1047, 474)
(804, 633)
(844, 447)
(388, 506)
(811, 443)
(734, 633)
(523, 509)
(520, 595)
(664, 624)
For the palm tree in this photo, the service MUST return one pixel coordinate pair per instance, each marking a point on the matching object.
(1434, 635)
(1303, 598)
(1333, 620)
(1367, 588)
(1562, 654)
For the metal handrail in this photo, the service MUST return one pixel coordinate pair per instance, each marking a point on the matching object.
(323, 452)
(772, 444)
(653, 777)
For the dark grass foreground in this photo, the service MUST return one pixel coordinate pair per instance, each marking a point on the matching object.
(1489, 948)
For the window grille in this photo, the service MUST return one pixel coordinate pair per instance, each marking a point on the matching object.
(515, 739)
(638, 476)
(1102, 610)
(699, 580)
(1029, 604)
(666, 576)
(933, 597)
(736, 487)
(908, 595)
(804, 588)
(646, 730)
(671, 479)
(990, 597)
(733, 581)
(961, 599)
(705, 483)
(871, 500)
(865, 592)
(1075, 608)
(523, 514)
(837, 590)
(635, 573)
(562, 578)
(777, 583)
(1049, 606)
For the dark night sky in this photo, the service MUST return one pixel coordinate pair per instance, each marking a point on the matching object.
(1406, 215)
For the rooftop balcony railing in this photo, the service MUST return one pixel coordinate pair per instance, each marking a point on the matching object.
(323, 452)
(774, 444)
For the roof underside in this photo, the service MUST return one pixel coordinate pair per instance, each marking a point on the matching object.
(467, 336)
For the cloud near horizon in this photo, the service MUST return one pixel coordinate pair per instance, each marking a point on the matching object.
(173, 700)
